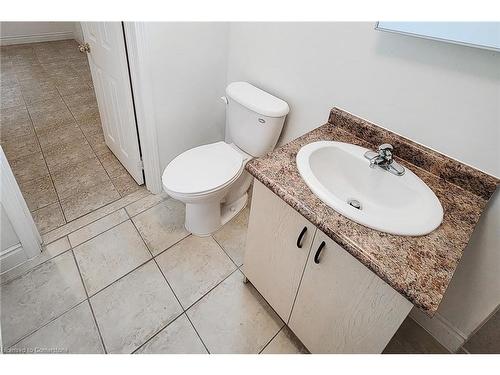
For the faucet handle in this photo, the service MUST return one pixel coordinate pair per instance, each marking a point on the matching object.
(385, 147)
(385, 151)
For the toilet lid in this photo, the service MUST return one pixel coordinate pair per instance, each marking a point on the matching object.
(202, 169)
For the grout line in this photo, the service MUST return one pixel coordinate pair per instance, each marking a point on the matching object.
(162, 251)
(88, 300)
(172, 289)
(224, 251)
(93, 221)
(197, 333)
(180, 304)
(119, 278)
(272, 338)
(157, 333)
(98, 234)
(45, 324)
(32, 268)
(42, 152)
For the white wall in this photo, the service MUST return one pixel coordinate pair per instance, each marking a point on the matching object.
(77, 31)
(189, 68)
(442, 95)
(29, 32)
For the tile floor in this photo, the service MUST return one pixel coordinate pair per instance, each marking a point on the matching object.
(51, 133)
(128, 278)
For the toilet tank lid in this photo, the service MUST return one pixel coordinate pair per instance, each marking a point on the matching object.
(257, 100)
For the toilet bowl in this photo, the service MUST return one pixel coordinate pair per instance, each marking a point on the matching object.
(212, 182)
(211, 179)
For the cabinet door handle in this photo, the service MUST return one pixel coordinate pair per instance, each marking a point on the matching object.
(318, 252)
(299, 239)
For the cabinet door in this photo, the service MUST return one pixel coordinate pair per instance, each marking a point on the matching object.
(273, 262)
(342, 306)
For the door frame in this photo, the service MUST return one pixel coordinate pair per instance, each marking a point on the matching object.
(139, 53)
(17, 210)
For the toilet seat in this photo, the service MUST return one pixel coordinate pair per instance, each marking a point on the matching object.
(204, 169)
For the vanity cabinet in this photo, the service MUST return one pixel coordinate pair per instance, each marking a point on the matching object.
(278, 243)
(343, 307)
(332, 302)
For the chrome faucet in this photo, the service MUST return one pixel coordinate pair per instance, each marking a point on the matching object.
(384, 159)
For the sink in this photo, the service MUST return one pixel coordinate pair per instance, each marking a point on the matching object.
(340, 175)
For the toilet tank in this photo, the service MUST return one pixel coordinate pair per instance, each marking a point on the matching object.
(254, 118)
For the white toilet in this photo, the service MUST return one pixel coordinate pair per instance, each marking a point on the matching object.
(211, 179)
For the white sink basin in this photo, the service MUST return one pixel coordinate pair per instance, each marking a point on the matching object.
(338, 173)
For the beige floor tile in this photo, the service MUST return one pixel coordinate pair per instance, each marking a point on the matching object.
(193, 267)
(145, 203)
(112, 165)
(133, 309)
(89, 119)
(95, 135)
(49, 122)
(178, 338)
(67, 134)
(97, 227)
(28, 73)
(125, 184)
(73, 332)
(38, 89)
(93, 216)
(76, 178)
(162, 225)
(285, 342)
(29, 167)
(46, 106)
(89, 199)
(82, 104)
(7, 80)
(410, 338)
(39, 193)
(39, 296)
(71, 86)
(68, 154)
(49, 251)
(109, 256)
(100, 149)
(232, 236)
(49, 217)
(14, 122)
(11, 97)
(80, 100)
(14, 133)
(90, 123)
(234, 318)
(487, 339)
(19, 147)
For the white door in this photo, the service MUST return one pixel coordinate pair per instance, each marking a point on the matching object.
(108, 64)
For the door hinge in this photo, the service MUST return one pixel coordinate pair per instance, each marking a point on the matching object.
(141, 164)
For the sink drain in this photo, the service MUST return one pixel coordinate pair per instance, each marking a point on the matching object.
(354, 203)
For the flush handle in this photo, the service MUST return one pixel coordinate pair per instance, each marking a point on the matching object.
(318, 252)
(301, 236)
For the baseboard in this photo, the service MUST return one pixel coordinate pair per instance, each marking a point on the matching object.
(12, 257)
(46, 37)
(441, 329)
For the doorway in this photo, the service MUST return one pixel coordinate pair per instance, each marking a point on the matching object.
(52, 133)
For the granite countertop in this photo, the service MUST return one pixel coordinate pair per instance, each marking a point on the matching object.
(418, 267)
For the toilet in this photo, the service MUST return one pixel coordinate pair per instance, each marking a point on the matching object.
(211, 179)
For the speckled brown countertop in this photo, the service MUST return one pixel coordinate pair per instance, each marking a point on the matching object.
(420, 268)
